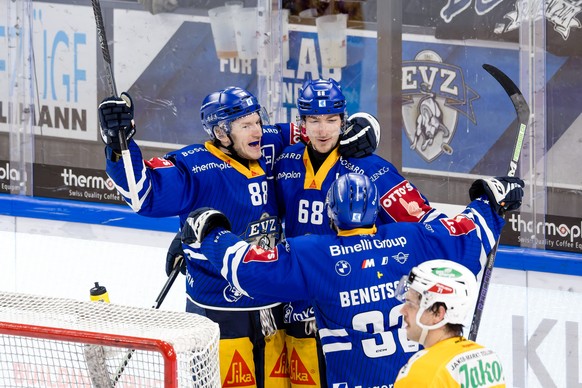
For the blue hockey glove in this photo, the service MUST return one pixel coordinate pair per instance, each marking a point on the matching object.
(200, 222)
(115, 115)
(362, 136)
(175, 255)
(504, 193)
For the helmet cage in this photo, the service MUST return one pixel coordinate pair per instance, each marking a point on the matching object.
(352, 202)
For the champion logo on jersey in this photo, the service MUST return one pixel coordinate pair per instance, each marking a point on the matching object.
(299, 374)
(343, 268)
(281, 368)
(239, 373)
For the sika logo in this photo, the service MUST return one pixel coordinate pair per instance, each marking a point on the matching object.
(299, 373)
(433, 94)
(281, 368)
(239, 373)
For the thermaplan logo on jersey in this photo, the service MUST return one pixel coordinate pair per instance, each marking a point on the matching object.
(553, 232)
(433, 94)
(10, 178)
(74, 183)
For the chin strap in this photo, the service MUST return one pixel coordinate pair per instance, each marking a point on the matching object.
(229, 148)
(426, 328)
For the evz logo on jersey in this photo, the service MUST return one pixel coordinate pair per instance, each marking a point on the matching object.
(433, 94)
(404, 203)
(264, 233)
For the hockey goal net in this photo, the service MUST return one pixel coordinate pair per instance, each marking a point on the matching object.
(55, 342)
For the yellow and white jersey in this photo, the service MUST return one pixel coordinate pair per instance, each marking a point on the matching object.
(455, 362)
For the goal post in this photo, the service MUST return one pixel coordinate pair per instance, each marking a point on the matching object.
(58, 342)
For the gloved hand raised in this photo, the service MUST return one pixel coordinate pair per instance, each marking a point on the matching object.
(504, 193)
(115, 115)
(362, 136)
(200, 222)
(175, 255)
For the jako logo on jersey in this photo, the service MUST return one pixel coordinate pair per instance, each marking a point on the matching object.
(489, 371)
(239, 373)
(343, 268)
(404, 203)
(433, 94)
(299, 373)
(368, 263)
(281, 368)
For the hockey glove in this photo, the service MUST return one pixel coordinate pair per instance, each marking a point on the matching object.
(115, 115)
(200, 222)
(175, 255)
(362, 136)
(504, 193)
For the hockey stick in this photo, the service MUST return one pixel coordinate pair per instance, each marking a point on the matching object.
(125, 155)
(159, 300)
(522, 110)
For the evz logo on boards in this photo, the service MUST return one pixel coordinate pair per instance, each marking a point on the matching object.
(433, 93)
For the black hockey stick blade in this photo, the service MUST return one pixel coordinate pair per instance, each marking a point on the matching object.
(523, 113)
(521, 108)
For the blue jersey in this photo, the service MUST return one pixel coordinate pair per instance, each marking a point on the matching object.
(301, 198)
(350, 279)
(301, 192)
(203, 176)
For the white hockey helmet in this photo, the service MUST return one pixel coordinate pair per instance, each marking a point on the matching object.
(443, 281)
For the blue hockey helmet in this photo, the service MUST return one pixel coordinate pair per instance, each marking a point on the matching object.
(223, 107)
(352, 202)
(321, 97)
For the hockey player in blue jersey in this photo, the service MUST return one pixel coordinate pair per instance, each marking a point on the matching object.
(350, 278)
(228, 173)
(303, 175)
